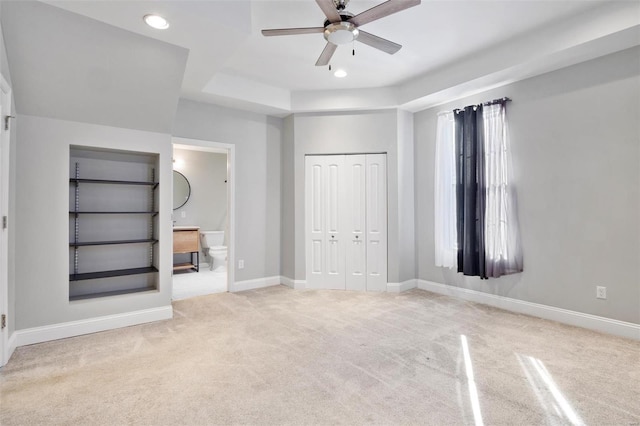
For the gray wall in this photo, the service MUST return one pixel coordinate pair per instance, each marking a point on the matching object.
(288, 257)
(207, 175)
(576, 159)
(102, 77)
(4, 63)
(257, 188)
(42, 198)
(353, 132)
(406, 198)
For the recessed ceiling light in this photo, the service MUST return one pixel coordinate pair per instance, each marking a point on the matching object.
(156, 21)
(340, 73)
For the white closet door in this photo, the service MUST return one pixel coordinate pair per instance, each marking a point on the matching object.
(314, 220)
(356, 246)
(325, 197)
(336, 235)
(376, 227)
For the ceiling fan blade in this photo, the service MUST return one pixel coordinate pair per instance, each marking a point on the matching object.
(292, 31)
(329, 9)
(380, 11)
(378, 42)
(326, 54)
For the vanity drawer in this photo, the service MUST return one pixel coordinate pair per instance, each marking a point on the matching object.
(185, 241)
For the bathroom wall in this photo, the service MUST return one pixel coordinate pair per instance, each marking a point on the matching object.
(207, 175)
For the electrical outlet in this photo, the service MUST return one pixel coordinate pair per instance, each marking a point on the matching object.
(183, 214)
(601, 292)
(240, 263)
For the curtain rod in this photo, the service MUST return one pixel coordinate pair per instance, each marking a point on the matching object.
(493, 102)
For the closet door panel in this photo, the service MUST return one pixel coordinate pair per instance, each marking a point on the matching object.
(376, 228)
(314, 220)
(335, 222)
(356, 268)
(316, 256)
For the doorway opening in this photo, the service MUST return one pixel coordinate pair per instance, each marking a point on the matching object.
(203, 212)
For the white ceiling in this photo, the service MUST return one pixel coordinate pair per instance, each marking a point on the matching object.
(450, 48)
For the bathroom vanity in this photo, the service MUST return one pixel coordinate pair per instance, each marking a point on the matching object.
(186, 240)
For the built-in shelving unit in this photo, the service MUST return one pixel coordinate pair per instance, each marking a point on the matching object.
(113, 238)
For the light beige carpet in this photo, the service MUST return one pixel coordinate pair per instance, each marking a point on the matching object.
(279, 356)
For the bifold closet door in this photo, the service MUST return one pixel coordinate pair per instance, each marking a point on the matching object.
(346, 222)
(376, 225)
(356, 238)
(325, 209)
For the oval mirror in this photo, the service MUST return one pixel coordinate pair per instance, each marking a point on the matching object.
(181, 190)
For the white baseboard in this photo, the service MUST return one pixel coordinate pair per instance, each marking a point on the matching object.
(391, 287)
(579, 319)
(257, 283)
(400, 287)
(12, 344)
(294, 284)
(63, 330)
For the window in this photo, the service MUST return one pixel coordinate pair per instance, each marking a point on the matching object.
(475, 212)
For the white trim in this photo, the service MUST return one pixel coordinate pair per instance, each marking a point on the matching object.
(579, 319)
(403, 286)
(294, 284)
(63, 330)
(230, 149)
(257, 283)
(13, 344)
(5, 141)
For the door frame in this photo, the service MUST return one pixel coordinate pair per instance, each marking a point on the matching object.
(230, 149)
(5, 141)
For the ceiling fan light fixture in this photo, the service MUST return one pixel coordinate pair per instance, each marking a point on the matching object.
(156, 21)
(341, 33)
(340, 73)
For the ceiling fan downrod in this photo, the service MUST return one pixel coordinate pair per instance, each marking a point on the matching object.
(341, 4)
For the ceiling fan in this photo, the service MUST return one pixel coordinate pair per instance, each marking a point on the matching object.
(342, 27)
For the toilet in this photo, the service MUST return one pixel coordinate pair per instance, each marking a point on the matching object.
(212, 246)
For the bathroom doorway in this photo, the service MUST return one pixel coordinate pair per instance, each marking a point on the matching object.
(203, 219)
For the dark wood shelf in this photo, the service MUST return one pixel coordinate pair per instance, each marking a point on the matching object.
(113, 182)
(110, 293)
(151, 213)
(110, 274)
(106, 243)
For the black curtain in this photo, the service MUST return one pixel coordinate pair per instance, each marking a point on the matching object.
(470, 190)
